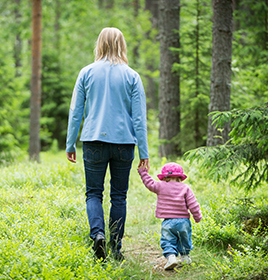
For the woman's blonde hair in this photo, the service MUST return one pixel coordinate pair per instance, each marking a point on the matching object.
(111, 45)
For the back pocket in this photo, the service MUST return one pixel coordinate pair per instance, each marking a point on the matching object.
(92, 152)
(126, 152)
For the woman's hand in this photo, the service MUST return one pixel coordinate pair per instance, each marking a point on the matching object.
(144, 163)
(71, 157)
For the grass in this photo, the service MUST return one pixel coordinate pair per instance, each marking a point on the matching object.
(44, 233)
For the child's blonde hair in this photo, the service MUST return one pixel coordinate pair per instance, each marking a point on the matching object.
(111, 45)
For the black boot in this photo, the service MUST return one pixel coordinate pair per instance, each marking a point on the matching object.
(100, 247)
(118, 256)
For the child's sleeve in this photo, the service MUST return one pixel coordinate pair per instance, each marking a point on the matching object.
(193, 205)
(148, 181)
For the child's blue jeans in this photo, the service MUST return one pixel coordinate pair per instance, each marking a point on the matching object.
(176, 237)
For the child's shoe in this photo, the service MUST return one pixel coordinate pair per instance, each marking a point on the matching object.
(171, 263)
(185, 259)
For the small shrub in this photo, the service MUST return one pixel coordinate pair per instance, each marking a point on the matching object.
(214, 235)
(245, 264)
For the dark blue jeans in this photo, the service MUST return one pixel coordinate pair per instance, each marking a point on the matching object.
(97, 155)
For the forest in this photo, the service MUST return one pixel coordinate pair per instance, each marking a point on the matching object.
(69, 33)
(204, 67)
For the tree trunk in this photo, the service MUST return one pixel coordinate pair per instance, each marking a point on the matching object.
(109, 4)
(152, 6)
(220, 88)
(34, 145)
(169, 82)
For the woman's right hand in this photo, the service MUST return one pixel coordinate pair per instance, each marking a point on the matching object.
(144, 163)
(71, 156)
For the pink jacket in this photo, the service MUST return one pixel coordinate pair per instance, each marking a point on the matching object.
(173, 198)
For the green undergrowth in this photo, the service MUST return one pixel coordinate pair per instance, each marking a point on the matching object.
(44, 232)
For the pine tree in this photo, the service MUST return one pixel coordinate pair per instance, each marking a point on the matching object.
(244, 158)
(169, 82)
(220, 90)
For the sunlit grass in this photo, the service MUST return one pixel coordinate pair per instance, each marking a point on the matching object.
(44, 232)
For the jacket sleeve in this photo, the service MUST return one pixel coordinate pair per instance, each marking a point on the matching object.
(75, 113)
(193, 205)
(139, 116)
(148, 181)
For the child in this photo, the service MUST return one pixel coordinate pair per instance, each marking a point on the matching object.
(174, 198)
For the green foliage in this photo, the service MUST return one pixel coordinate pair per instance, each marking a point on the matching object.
(226, 221)
(153, 131)
(68, 39)
(55, 102)
(250, 56)
(244, 157)
(249, 29)
(249, 84)
(222, 229)
(214, 234)
(13, 127)
(69, 33)
(44, 231)
(45, 234)
(245, 264)
(13, 95)
(194, 70)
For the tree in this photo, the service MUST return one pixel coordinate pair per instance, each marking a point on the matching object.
(244, 157)
(195, 69)
(169, 82)
(220, 89)
(34, 145)
(68, 45)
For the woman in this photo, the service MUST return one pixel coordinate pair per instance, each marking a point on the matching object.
(112, 96)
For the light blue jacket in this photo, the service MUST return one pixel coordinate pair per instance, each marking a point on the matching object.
(113, 99)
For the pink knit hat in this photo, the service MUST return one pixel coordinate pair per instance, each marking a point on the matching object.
(172, 169)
